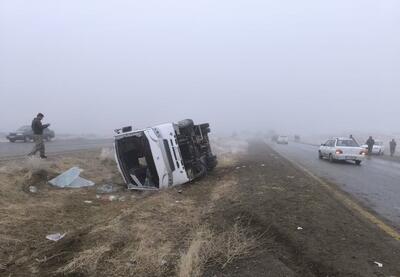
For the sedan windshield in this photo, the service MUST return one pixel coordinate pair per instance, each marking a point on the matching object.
(346, 143)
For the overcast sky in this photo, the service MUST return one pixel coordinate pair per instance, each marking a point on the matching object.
(295, 66)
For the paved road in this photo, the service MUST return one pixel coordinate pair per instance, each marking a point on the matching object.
(8, 149)
(376, 183)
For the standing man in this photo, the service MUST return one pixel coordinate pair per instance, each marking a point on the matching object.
(393, 145)
(37, 128)
(370, 142)
(353, 139)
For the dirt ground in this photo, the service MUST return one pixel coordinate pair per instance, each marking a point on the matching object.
(256, 215)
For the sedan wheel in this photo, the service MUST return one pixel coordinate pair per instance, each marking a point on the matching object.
(320, 155)
(331, 159)
(358, 162)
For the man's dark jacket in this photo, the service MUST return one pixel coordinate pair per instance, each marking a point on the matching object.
(38, 127)
(370, 142)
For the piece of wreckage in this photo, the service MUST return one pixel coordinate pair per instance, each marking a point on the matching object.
(164, 155)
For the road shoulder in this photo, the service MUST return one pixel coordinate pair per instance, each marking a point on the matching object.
(309, 232)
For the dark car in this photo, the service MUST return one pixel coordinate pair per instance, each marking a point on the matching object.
(25, 133)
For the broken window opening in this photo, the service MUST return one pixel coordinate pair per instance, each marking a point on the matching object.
(137, 160)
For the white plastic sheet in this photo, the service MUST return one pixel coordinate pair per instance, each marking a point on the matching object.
(56, 236)
(71, 179)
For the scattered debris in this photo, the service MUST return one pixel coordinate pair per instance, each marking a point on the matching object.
(88, 202)
(163, 262)
(238, 167)
(299, 228)
(378, 264)
(122, 198)
(33, 189)
(131, 264)
(262, 165)
(71, 179)
(107, 188)
(290, 177)
(112, 198)
(243, 166)
(180, 191)
(55, 237)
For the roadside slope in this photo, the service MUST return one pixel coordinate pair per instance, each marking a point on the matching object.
(277, 198)
(242, 220)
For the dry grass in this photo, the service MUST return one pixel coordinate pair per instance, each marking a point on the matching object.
(143, 240)
(225, 189)
(4, 169)
(228, 150)
(229, 145)
(16, 206)
(140, 241)
(235, 243)
(139, 237)
(208, 247)
(85, 261)
(26, 218)
(35, 164)
(30, 164)
(145, 259)
(107, 154)
(227, 160)
(192, 262)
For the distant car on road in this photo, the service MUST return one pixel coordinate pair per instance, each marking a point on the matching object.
(378, 149)
(25, 134)
(282, 140)
(343, 149)
(274, 138)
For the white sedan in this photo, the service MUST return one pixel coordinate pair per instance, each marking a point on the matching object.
(378, 148)
(344, 149)
(282, 140)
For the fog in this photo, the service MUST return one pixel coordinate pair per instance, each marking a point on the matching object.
(293, 66)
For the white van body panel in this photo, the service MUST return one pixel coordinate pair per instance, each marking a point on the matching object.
(167, 176)
(167, 132)
(164, 155)
(158, 156)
